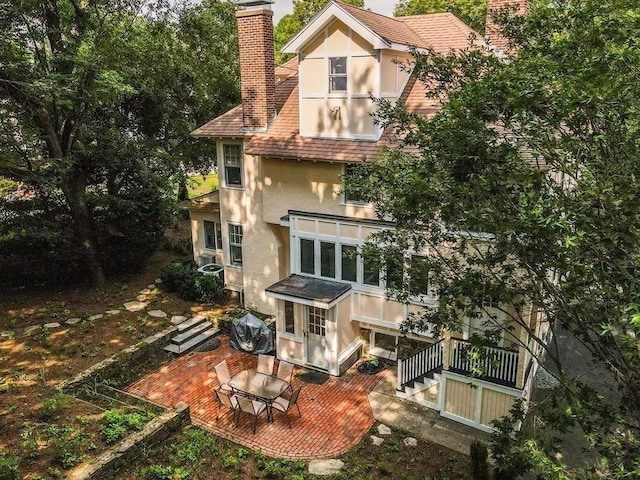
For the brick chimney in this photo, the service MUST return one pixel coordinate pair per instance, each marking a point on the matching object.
(493, 32)
(258, 84)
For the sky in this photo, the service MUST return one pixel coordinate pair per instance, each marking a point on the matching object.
(282, 7)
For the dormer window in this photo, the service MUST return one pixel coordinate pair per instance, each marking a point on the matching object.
(338, 74)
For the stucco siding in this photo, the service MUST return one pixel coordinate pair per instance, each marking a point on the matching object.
(197, 235)
(305, 186)
(348, 331)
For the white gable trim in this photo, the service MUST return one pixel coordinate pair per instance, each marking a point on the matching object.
(323, 19)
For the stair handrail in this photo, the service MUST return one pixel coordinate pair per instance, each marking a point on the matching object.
(419, 364)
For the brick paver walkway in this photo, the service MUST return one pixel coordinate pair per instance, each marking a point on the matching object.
(335, 414)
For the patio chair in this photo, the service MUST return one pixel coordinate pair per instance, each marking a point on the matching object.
(251, 407)
(265, 364)
(285, 404)
(222, 371)
(228, 400)
(285, 372)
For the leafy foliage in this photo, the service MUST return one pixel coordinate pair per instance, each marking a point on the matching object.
(117, 424)
(189, 284)
(471, 12)
(98, 100)
(9, 468)
(292, 23)
(525, 195)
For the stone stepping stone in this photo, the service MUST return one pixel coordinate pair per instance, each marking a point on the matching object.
(177, 319)
(156, 313)
(410, 442)
(151, 286)
(376, 440)
(144, 291)
(6, 334)
(383, 429)
(73, 321)
(52, 325)
(112, 312)
(325, 467)
(141, 298)
(96, 317)
(135, 306)
(158, 281)
(32, 328)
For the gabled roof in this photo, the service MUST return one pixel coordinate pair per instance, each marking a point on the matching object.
(287, 69)
(379, 30)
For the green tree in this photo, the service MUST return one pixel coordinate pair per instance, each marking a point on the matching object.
(525, 191)
(97, 101)
(472, 12)
(290, 24)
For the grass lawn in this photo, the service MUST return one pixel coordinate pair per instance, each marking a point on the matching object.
(200, 184)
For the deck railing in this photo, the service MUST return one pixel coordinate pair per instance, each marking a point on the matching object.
(494, 364)
(419, 364)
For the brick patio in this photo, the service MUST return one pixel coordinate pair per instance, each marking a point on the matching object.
(335, 414)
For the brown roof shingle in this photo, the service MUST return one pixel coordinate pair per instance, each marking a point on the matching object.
(442, 31)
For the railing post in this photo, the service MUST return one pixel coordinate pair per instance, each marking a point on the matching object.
(400, 373)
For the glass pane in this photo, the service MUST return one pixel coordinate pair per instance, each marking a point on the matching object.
(209, 235)
(232, 175)
(419, 275)
(289, 322)
(395, 267)
(328, 259)
(349, 171)
(349, 263)
(307, 256)
(338, 84)
(236, 255)
(338, 65)
(384, 341)
(218, 236)
(371, 272)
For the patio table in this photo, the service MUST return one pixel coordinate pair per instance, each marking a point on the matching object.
(263, 387)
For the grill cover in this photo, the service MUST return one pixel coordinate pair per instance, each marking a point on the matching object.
(250, 334)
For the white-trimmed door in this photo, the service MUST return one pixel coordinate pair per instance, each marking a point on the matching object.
(317, 345)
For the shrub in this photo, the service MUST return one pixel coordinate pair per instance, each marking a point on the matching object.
(158, 472)
(194, 447)
(9, 468)
(189, 284)
(479, 465)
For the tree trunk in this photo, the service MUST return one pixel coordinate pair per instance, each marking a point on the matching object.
(74, 187)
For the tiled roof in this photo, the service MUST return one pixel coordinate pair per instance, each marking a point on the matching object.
(442, 31)
(207, 202)
(391, 29)
(230, 124)
(287, 69)
(283, 139)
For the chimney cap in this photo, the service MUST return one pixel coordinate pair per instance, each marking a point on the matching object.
(246, 4)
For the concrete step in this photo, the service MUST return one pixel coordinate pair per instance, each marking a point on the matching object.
(192, 332)
(192, 322)
(193, 342)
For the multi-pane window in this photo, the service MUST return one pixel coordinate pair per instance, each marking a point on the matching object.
(349, 258)
(327, 259)
(235, 245)
(232, 165)
(307, 256)
(212, 235)
(289, 318)
(338, 74)
(317, 319)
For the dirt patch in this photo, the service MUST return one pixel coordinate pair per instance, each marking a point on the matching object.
(47, 431)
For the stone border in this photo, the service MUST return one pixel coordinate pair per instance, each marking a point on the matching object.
(108, 463)
(156, 430)
(114, 365)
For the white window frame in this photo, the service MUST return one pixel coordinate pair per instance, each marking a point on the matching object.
(230, 244)
(344, 75)
(225, 165)
(217, 235)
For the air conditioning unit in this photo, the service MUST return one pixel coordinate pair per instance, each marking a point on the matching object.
(204, 260)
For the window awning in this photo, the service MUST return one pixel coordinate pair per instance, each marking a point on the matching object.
(309, 291)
